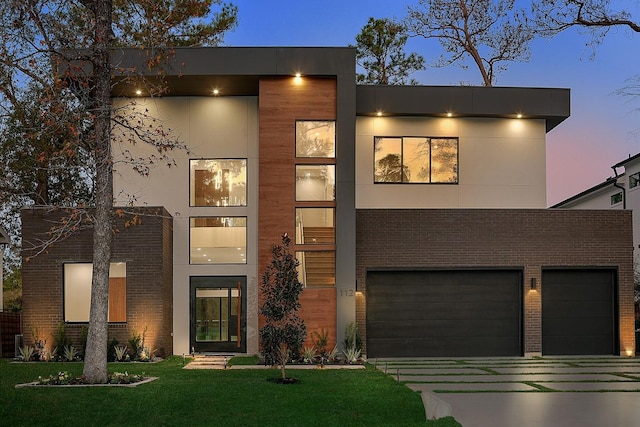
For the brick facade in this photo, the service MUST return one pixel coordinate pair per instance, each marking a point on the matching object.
(528, 239)
(147, 250)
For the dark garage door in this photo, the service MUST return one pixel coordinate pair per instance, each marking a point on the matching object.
(461, 313)
(579, 312)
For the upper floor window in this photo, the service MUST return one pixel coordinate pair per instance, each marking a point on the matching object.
(218, 240)
(634, 180)
(616, 198)
(415, 160)
(77, 292)
(316, 138)
(218, 182)
(315, 183)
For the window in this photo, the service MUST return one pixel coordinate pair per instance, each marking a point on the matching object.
(315, 182)
(316, 188)
(634, 180)
(315, 226)
(616, 198)
(415, 160)
(218, 240)
(316, 138)
(218, 182)
(77, 292)
(317, 268)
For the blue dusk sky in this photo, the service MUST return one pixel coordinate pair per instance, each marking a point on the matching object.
(603, 129)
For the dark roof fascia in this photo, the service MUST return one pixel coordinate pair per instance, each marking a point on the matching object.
(196, 70)
(625, 161)
(587, 192)
(550, 104)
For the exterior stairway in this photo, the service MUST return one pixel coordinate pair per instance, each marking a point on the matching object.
(209, 361)
(320, 266)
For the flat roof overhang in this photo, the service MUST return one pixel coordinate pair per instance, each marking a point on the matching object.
(552, 105)
(234, 71)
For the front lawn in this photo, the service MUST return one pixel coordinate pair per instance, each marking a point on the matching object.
(210, 397)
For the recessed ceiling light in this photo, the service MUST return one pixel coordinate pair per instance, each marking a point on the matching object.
(216, 92)
(379, 113)
(519, 116)
(138, 92)
(449, 114)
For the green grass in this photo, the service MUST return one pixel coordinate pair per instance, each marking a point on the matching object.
(244, 360)
(211, 397)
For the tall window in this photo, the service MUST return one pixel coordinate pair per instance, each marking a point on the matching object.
(218, 182)
(416, 160)
(77, 292)
(316, 189)
(218, 240)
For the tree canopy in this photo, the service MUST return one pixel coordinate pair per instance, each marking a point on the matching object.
(57, 118)
(489, 33)
(380, 53)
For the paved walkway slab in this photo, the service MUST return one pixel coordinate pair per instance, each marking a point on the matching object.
(593, 386)
(514, 378)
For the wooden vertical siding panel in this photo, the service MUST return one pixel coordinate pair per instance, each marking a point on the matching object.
(283, 101)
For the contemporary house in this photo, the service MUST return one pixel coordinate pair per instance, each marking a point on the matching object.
(418, 212)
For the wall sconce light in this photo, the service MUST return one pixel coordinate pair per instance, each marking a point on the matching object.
(534, 283)
(357, 289)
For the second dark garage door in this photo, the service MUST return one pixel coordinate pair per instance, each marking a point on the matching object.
(579, 312)
(452, 313)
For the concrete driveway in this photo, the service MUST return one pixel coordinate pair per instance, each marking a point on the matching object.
(531, 392)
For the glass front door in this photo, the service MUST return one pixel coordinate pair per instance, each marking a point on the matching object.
(217, 314)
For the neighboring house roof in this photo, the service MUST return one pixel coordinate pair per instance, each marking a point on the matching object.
(593, 189)
(625, 161)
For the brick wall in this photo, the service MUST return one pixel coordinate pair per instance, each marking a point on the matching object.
(147, 250)
(530, 239)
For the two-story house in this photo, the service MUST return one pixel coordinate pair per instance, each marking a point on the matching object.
(418, 212)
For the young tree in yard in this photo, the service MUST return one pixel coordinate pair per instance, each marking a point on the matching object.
(380, 52)
(283, 332)
(491, 33)
(57, 115)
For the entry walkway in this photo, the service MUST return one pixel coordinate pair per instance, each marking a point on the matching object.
(531, 392)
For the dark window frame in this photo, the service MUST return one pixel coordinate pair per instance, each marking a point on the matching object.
(430, 138)
(616, 198)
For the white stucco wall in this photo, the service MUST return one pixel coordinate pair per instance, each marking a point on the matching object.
(502, 164)
(212, 128)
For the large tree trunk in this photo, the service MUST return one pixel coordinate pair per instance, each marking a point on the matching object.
(95, 363)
